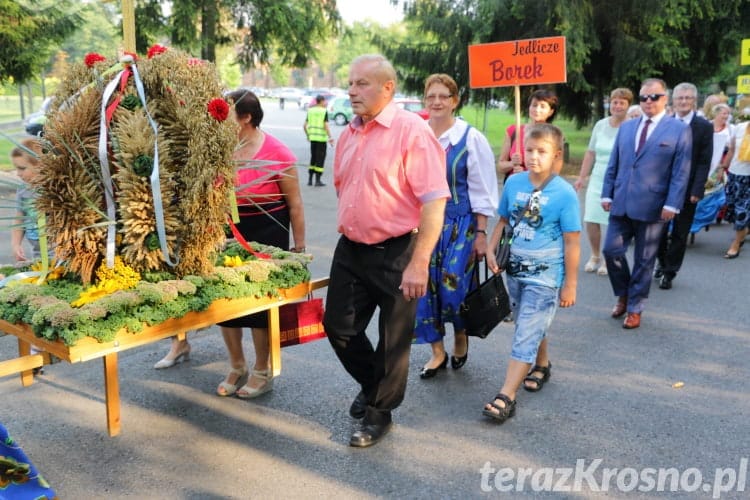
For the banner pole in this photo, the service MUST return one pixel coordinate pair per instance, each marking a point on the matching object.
(518, 117)
(128, 25)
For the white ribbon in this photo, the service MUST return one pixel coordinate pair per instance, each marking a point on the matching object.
(106, 175)
(19, 276)
(155, 182)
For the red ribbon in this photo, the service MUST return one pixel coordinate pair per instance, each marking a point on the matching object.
(116, 101)
(244, 243)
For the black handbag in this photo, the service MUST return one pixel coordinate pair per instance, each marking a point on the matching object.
(485, 306)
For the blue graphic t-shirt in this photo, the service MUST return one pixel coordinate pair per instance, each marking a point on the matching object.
(536, 255)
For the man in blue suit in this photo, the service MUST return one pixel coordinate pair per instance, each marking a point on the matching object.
(644, 188)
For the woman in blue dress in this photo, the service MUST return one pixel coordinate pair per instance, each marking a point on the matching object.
(470, 169)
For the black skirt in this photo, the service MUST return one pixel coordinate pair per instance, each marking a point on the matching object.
(269, 229)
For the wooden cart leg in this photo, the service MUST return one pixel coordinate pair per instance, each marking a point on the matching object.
(27, 376)
(274, 341)
(112, 389)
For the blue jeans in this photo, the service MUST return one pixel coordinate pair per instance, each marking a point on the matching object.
(534, 307)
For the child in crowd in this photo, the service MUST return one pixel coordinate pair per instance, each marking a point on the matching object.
(543, 267)
(25, 158)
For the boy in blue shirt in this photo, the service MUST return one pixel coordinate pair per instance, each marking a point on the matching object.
(543, 267)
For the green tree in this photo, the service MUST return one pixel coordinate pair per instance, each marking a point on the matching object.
(29, 33)
(609, 44)
(355, 40)
(95, 33)
(285, 31)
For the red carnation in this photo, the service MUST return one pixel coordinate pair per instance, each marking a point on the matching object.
(92, 58)
(155, 50)
(219, 109)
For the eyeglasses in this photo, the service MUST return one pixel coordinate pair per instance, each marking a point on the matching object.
(437, 97)
(653, 97)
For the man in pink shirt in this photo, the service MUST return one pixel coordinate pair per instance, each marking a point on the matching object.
(389, 173)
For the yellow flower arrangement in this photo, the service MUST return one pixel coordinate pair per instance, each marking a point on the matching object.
(54, 272)
(120, 277)
(232, 261)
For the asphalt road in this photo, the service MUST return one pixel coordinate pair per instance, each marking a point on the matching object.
(610, 404)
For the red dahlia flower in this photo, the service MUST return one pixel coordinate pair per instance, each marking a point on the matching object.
(219, 109)
(92, 58)
(155, 50)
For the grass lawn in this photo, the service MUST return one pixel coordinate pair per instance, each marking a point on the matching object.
(6, 145)
(10, 111)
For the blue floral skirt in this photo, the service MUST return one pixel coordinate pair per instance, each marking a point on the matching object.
(738, 200)
(451, 267)
(19, 479)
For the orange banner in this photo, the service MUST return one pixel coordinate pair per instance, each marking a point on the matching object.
(519, 62)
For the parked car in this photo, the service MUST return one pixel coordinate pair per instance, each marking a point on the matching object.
(414, 105)
(34, 122)
(291, 94)
(310, 101)
(340, 110)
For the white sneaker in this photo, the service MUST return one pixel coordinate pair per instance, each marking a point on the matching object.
(592, 264)
(602, 271)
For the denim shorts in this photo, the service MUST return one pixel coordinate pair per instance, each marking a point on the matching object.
(533, 308)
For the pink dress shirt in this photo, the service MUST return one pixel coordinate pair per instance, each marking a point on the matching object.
(384, 171)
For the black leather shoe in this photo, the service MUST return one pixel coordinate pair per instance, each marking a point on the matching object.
(370, 434)
(665, 283)
(658, 274)
(359, 406)
(319, 184)
(431, 372)
(458, 362)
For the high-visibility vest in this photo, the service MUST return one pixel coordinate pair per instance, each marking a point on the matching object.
(316, 124)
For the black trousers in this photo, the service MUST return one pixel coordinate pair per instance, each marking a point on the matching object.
(362, 278)
(674, 241)
(317, 156)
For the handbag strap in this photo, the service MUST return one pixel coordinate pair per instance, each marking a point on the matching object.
(528, 202)
(476, 277)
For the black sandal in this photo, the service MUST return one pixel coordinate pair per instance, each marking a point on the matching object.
(546, 373)
(503, 413)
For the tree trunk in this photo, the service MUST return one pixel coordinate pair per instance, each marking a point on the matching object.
(209, 19)
(20, 101)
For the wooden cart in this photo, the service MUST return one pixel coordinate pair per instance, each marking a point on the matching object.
(88, 348)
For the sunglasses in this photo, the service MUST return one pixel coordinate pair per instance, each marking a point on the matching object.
(652, 97)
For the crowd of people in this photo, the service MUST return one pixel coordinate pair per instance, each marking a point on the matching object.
(415, 198)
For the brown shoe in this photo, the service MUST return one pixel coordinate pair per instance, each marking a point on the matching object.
(633, 320)
(620, 307)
